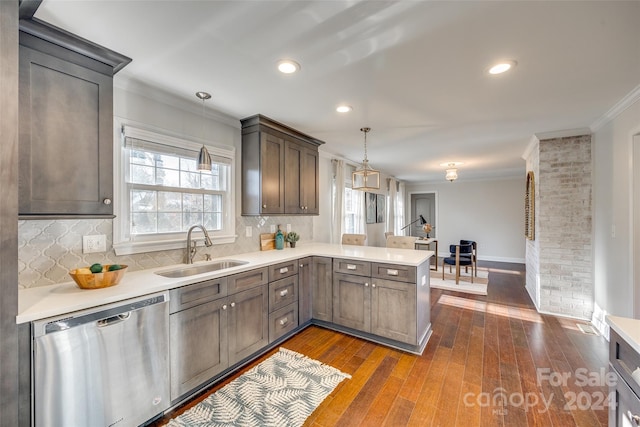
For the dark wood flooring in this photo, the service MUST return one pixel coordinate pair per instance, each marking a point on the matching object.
(491, 361)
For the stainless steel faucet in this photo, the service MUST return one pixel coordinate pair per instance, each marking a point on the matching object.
(191, 245)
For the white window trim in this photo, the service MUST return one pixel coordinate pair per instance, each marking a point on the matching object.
(125, 246)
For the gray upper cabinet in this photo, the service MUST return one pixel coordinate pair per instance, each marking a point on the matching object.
(279, 169)
(66, 124)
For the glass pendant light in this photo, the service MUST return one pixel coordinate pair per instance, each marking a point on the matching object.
(204, 159)
(365, 178)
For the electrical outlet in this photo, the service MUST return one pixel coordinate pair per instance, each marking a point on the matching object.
(94, 243)
(273, 228)
(288, 228)
(248, 231)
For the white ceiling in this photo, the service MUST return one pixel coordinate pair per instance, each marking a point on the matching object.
(414, 71)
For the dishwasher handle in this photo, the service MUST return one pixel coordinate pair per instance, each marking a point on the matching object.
(101, 318)
(113, 319)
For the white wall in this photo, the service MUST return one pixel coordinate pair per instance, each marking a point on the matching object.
(490, 212)
(612, 198)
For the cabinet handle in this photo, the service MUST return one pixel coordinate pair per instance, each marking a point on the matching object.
(107, 201)
(373, 285)
(284, 321)
(634, 418)
(366, 285)
(233, 304)
(301, 265)
(284, 270)
(284, 293)
(264, 206)
(351, 267)
(224, 307)
(392, 272)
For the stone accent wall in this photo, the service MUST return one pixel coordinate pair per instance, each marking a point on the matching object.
(564, 226)
(48, 249)
(532, 248)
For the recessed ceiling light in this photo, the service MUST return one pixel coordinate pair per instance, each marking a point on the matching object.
(287, 66)
(502, 67)
(451, 164)
(344, 108)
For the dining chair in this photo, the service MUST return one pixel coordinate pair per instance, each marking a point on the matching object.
(460, 255)
(354, 239)
(401, 242)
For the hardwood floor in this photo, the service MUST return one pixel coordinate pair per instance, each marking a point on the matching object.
(491, 361)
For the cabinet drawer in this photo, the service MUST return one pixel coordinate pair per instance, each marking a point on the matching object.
(625, 410)
(624, 359)
(196, 294)
(283, 321)
(282, 270)
(401, 273)
(348, 266)
(247, 280)
(283, 292)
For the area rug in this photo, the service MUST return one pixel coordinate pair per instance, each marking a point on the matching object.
(283, 391)
(478, 287)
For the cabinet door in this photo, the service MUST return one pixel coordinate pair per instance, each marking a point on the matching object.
(66, 138)
(393, 310)
(310, 187)
(305, 269)
(293, 164)
(352, 301)
(199, 347)
(272, 172)
(248, 323)
(322, 289)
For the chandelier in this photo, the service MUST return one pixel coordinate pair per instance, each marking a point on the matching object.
(365, 178)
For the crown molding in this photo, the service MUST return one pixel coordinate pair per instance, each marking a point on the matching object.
(629, 99)
(565, 133)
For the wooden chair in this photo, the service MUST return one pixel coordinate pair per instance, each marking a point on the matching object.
(401, 242)
(354, 239)
(460, 255)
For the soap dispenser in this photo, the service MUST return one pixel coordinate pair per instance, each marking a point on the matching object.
(279, 239)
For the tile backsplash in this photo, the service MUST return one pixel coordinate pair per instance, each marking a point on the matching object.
(48, 249)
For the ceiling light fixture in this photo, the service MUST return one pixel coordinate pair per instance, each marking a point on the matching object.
(344, 108)
(288, 66)
(502, 67)
(204, 159)
(452, 171)
(364, 177)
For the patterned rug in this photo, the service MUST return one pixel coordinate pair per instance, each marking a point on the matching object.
(282, 391)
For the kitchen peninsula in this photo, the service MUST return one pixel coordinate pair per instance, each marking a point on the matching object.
(218, 321)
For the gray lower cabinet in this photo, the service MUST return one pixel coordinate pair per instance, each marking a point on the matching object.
(248, 323)
(384, 300)
(198, 332)
(625, 390)
(322, 289)
(305, 279)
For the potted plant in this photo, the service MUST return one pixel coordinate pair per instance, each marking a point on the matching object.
(292, 238)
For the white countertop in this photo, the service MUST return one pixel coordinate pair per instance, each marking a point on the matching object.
(627, 328)
(47, 301)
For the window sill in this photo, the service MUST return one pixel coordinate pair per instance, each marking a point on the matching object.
(130, 248)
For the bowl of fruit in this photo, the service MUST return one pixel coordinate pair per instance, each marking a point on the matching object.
(98, 276)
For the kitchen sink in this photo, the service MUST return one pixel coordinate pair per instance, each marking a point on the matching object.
(191, 270)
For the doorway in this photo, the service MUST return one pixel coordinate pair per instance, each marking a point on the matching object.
(423, 204)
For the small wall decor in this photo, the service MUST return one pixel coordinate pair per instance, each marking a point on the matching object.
(529, 207)
(380, 207)
(370, 200)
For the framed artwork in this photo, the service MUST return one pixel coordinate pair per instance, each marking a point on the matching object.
(370, 200)
(530, 208)
(380, 208)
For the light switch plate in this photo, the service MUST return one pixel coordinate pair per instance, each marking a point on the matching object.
(248, 231)
(273, 228)
(288, 228)
(94, 243)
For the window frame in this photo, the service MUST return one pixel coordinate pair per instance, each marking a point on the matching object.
(123, 242)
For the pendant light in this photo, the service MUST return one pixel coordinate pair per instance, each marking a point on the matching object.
(364, 177)
(204, 159)
(452, 170)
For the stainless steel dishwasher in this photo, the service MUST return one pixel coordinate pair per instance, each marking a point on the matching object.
(103, 367)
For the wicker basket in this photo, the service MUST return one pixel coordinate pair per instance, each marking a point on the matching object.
(98, 280)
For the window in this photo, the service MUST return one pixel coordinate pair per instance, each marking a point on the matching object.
(162, 194)
(353, 207)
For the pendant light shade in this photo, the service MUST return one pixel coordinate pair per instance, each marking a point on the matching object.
(451, 171)
(204, 159)
(365, 178)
